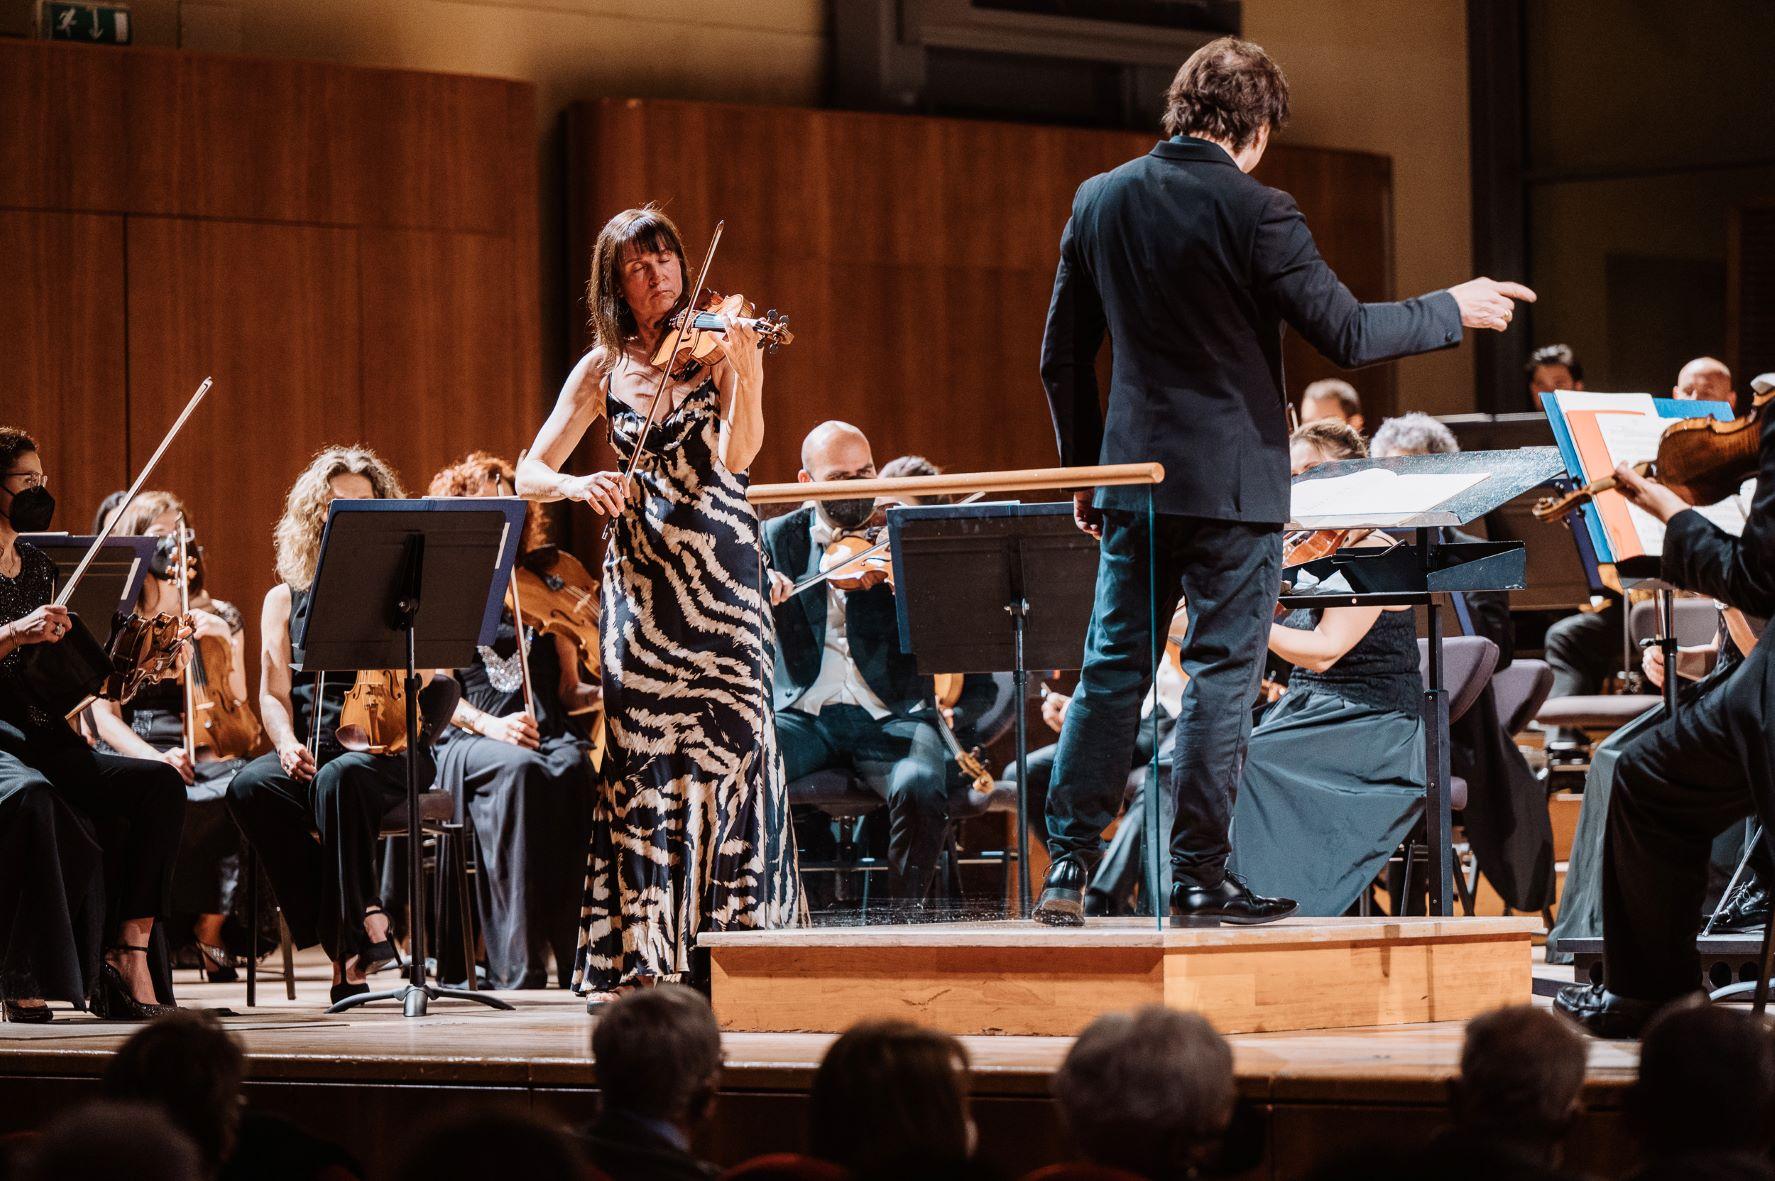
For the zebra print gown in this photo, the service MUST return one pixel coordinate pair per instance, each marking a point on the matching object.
(691, 827)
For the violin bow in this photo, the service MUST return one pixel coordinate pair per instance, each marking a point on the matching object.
(517, 605)
(135, 490)
(665, 372)
(191, 663)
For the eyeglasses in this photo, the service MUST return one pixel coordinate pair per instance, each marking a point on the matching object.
(31, 479)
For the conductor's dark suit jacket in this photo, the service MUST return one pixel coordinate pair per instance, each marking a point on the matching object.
(872, 629)
(1192, 268)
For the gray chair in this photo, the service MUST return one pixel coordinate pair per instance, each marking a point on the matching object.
(1521, 689)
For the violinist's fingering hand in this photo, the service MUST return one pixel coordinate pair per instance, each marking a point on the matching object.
(740, 346)
(1649, 495)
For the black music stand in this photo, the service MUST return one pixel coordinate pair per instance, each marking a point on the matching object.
(390, 570)
(985, 587)
(110, 588)
(1415, 574)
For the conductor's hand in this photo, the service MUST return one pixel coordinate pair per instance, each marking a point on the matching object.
(1649, 495)
(296, 761)
(518, 729)
(602, 490)
(1087, 516)
(1487, 303)
(781, 587)
(46, 625)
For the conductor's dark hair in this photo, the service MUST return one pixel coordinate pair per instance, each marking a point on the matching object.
(1554, 354)
(1228, 90)
(13, 443)
(658, 1053)
(889, 1094)
(1706, 1082)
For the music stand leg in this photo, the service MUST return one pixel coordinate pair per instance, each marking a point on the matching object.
(1669, 644)
(1438, 823)
(1019, 610)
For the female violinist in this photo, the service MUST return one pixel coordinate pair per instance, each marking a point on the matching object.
(328, 888)
(691, 829)
(48, 776)
(520, 772)
(154, 724)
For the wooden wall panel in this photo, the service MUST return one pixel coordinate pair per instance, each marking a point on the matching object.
(915, 256)
(61, 356)
(440, 373)
(271, 311)
(62, 134)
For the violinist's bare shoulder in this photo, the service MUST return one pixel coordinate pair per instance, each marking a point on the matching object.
(584, 389)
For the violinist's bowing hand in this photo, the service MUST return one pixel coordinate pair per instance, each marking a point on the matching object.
(1086, 515)
(1649, 495)
(781, 587)
(296, 761)
(518, 729)
(46, 625)
(602, 490)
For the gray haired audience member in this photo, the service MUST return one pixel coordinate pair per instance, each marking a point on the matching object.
(1412, 434)
(657, 1052)
(1149, 1091)
(108, 1141)
(1704, 1102)
(1334, 399)
(890, 1099)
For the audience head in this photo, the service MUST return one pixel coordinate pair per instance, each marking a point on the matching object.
(1706, 1082)
(888, 1093)
(658, 1055)
(488, 1143)
(108, 1141)
(1231, 92)
(336, 473)
(187, 1064)
(839, 451)
(1522, 1069)
(1149, 1091)
(1705, 379)
(1413, 434)
(1334, 399)
(1553, 367)
(1323, 440)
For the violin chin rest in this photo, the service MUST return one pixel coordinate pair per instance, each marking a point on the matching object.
(353, 738)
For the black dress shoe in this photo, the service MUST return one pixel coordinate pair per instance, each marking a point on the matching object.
(1603, 1013)
(1747, 909)
(1232, 901)
(1062, 903)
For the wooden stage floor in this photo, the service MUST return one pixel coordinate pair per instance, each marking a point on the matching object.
(364, 1076)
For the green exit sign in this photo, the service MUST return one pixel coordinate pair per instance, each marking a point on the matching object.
(95, 24)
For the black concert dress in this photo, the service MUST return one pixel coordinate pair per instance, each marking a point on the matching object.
(690, 829)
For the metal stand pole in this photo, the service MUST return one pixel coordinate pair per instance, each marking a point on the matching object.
(1438, 820)
(1019, 610)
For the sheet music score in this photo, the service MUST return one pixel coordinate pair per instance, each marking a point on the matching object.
(1375, 496)
(1632, 439)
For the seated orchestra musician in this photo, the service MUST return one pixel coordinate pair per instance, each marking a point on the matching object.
(153, 725)
(522, 778)
(311, 808)
(63, 900)
(1334, 772)
(845, 695)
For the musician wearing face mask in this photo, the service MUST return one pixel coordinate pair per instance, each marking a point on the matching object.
(846, 696)
(134, 807)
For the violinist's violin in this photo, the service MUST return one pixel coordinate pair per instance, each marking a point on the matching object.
(850, 560)
(705, 322)
(557, 595)
(946, 690)
(373, 716)
(1702, 460)
(214, 717)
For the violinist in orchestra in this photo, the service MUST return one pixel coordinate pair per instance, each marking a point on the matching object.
(311, 808)
(1686, 779)
(521, 772)
(155, 724)
(54, 788)
(1334, 774)
(846, 695)
(691, 825)
(1191, 268)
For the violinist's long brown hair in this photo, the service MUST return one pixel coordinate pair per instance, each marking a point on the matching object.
(465, 477)
(298, 532)
(645, 229)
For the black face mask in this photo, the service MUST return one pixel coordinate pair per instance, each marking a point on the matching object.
(849, 514)
(32, 510)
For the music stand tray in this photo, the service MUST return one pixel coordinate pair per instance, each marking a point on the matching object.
(985, 587)
(409, 584)
(112, 583)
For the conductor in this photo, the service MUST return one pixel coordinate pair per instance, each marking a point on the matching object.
(1191, 268)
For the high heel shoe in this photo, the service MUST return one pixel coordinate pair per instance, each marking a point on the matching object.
(378, 955)
(225, 972)
(115, 1001)
(27, 1014)
(344, 991)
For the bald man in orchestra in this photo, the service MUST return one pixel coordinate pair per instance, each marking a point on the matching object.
(1192, 268)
